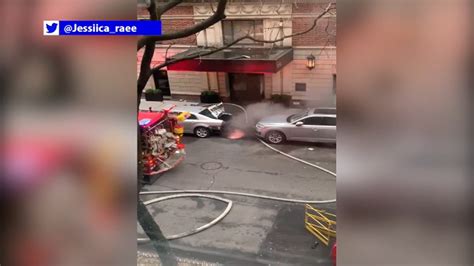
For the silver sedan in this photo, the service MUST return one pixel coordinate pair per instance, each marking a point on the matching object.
(309, 125)
(201, 123)
(203, 119)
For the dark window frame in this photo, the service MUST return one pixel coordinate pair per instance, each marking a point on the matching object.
(162, 75)
(320, 119)
(231, 23)
(300, 89)
(325, 123)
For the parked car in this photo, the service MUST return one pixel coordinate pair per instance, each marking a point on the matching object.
(203, 120)
(309, 125)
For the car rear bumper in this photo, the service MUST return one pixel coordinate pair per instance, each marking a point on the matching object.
(220, 128)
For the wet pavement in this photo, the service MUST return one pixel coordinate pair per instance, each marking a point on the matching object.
(256, 231)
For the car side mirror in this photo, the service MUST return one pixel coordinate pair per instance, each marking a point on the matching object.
(299, 123)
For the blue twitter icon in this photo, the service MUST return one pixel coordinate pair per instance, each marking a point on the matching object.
(50, 27)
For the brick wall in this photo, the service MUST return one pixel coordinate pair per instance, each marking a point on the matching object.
(317, 36)
(174, 24)
(177, 25)
(318, 81)
(309, 8)
(304, 15)
(178, 10)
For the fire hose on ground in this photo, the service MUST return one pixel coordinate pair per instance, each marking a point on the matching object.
(298, 159)
(201, 193)
(196, 230)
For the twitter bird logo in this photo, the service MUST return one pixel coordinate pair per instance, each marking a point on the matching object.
(50, 27)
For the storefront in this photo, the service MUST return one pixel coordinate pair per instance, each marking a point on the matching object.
(252, 71)
(243, 69)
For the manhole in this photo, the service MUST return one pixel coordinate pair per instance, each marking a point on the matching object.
(211, 166)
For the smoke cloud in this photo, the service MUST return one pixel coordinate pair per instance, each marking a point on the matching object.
(243, 123)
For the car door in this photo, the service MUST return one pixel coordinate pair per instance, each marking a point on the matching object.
(326, 130)
(189, 123)
(307, 131)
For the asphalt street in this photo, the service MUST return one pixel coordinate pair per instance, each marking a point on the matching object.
(256, 231)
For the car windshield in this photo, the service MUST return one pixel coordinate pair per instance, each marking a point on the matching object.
(294, 117)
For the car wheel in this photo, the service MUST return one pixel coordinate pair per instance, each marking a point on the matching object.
(202, 132)
(275, 137)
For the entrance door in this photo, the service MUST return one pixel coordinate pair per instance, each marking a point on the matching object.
(246, 88)
(161, 82)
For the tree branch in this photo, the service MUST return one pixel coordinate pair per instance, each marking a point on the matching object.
(147, 222)
(147, 56)
(145, 69)
(165, 7)
(188, 57)
(315, 22)
(327, 29)
(216, 17)
(145, 219)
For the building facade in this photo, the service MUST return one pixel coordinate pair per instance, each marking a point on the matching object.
(251, 71)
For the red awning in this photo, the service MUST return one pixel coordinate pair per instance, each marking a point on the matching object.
(235, 60)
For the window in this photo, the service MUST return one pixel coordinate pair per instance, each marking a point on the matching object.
(175, 114)
(161, 82)
(234, 29)
(300, 86)
(207, 113)
(312, 121)
(328, 121)
(334, 83)
(293, 118)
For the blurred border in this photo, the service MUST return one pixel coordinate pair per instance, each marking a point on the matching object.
(404, 102)
(68, 185)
